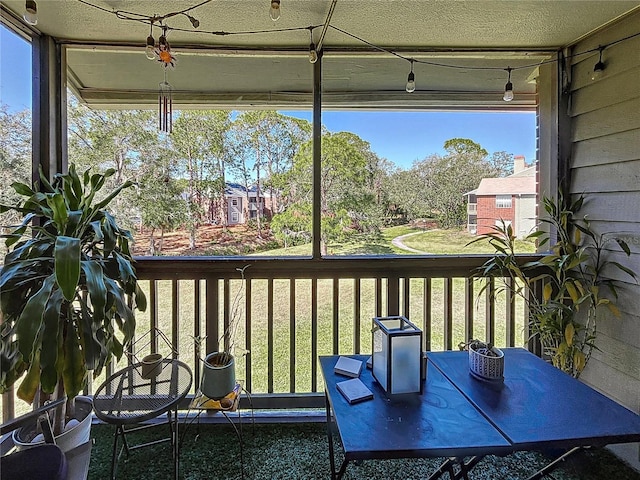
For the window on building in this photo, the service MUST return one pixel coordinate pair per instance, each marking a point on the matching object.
(503, 201)
(234, 217)
(501, 222)
(234, 202)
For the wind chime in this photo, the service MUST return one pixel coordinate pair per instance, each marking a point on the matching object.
(165, 106)
(165, 91)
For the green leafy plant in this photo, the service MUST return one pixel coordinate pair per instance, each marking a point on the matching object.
(571, 277)
(65, 285)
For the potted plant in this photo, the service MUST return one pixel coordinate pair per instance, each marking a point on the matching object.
(65, 286)
(572, 280)
(219, 368)
(485, 360)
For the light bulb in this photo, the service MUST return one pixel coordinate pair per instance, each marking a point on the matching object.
(30, 12)
(150, 51)
(508, 92)
(313, 55)
(598, 71)
(274, 11)
(411, 83)
(195, 23)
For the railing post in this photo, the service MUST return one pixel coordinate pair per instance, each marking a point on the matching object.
(448, 313)
(212, 316)
(468, 309)
(393, 296)
(490, 310)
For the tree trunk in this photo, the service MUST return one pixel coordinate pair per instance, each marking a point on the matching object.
(152, 243)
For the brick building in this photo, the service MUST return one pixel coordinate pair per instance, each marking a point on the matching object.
(511, 199)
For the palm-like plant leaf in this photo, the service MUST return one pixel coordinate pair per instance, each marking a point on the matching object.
(64, 286)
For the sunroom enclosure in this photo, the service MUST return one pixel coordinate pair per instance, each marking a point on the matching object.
(588, 140)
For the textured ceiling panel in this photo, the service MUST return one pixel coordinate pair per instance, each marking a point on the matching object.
(107, 63)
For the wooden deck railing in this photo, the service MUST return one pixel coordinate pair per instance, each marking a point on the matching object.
(289, 310)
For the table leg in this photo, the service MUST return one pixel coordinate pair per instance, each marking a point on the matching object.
(553, 465)
(334, 475)
(174, 442)
(448, 467)
(114, 453)
(239, 435)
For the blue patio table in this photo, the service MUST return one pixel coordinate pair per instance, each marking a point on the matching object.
(439, 423)
(539, 407)
(459, 416)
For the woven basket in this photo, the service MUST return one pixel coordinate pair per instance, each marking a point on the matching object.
(491, 368)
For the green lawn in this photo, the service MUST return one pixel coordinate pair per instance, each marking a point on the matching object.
(435, 242)
(456, 242)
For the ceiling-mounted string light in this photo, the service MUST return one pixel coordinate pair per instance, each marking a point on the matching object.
(411, 80)
(508, 88)
(598, 68)
(313, 54)
(195, 23)
(150, 50)
(274, 11)
(30, 12)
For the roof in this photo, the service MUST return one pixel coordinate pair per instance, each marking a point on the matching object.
(238, 190)
(507, 185)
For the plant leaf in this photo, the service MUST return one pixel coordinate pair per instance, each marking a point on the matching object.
(50, 335)
(569, 333)
(67, 265)
(29, 385)
(30, 321)
(73, 370)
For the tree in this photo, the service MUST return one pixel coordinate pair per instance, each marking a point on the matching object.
(441, 181)
(199, 140)
(124, 140)
(503, 163)
(342, 183)
(267, 142)
(15, 157)
(161, 206)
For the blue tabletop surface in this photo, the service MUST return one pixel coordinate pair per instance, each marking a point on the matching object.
(440, 422)
(539, 405)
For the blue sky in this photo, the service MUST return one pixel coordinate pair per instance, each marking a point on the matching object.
(401, 137)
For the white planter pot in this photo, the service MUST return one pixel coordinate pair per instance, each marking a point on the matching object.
(68, 440)
(217, 382)
(485, 366)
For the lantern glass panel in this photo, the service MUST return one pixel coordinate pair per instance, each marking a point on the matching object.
(381, 357)
(406, 364)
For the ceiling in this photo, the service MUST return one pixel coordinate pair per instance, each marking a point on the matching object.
(478, 40)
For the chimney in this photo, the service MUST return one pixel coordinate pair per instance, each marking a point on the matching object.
(518, 164)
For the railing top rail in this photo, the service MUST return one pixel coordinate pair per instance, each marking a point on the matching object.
(424, 266)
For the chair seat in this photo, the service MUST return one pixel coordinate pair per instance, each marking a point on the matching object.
(44, 462)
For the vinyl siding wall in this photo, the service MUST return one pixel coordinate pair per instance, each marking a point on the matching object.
(605, 165)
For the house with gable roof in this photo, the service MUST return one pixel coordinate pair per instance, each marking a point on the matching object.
(512, 200)
(245, 204)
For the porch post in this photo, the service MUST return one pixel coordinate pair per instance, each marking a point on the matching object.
(565, 143)
(317, 155)
(49, 107)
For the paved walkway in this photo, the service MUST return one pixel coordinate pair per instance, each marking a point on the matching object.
(398, 242)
